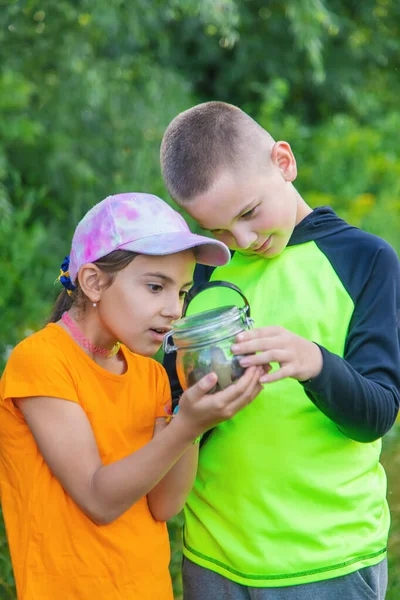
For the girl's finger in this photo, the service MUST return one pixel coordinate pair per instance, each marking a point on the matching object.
(250, 393)
(244, 399)
(202, 387)
(235, 390)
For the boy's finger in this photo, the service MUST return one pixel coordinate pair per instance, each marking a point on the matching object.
(258, 332)
(260, 344)
(277, 375)
(264, 358)
(265, 370)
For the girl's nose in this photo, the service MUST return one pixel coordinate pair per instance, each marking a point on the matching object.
(173, 310)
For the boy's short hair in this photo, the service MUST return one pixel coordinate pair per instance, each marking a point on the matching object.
(205, 140)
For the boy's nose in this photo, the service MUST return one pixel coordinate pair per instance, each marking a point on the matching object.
(244, 239)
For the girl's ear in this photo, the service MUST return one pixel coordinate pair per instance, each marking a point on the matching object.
(283, 158)
(92, 281)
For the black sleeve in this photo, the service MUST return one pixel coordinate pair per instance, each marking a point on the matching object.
(361, 392)
(169, 363)
(201, 273)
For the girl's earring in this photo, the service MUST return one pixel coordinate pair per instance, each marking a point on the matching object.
(94, 304)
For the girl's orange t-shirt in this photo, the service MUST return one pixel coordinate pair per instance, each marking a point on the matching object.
(56, 550)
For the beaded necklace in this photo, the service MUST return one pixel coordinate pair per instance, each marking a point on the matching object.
(79, 337)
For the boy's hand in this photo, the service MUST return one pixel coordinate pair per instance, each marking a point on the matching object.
(297, 357)
(200, 410)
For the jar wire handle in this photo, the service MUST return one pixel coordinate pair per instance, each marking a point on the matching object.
(201, 287)
(167, 348)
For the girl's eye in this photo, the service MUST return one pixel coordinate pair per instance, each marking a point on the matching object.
(182, 294)
(248, 214)
(222, 235)
(155, 288)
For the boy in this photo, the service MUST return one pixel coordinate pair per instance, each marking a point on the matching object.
(289, 502)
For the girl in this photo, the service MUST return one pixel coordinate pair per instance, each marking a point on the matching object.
(90, 467)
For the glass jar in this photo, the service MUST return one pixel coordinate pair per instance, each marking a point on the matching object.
(203, 341)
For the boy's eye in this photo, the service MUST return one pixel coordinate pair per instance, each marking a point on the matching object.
(155, 287)
(182, 294)
(248, 214)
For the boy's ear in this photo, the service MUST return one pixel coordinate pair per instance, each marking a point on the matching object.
(283, 158)
(91, 280)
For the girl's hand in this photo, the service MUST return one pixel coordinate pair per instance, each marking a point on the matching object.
(200, 411)
(297, 357)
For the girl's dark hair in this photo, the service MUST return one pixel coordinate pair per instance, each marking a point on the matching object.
(110, 264)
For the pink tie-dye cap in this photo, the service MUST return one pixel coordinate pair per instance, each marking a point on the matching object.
(141, 223)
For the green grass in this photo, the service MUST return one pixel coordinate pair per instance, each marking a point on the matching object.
(391, 461)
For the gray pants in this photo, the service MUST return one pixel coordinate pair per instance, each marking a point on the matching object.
(367, 584)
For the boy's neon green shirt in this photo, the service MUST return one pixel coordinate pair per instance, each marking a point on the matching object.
(282, 496)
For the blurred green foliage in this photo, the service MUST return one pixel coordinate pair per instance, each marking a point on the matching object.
(87, 89)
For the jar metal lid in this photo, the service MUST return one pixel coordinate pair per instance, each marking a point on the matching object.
(208, 326)
(211, 325)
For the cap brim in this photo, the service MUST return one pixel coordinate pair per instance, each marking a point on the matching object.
(207, 251)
